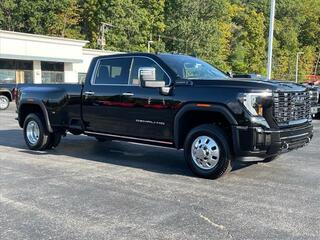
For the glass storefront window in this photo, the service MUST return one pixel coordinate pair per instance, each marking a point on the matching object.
(52, 77)
(11, 64)
(52, 72)
(52, 66)
(16, 71)
(7, 76)
(28, 76)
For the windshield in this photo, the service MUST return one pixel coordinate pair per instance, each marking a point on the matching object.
(192, 68)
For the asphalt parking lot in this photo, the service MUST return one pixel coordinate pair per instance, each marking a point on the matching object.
(90, 190)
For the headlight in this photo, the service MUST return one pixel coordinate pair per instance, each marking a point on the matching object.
(254, 102)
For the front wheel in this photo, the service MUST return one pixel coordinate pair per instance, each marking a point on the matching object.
(4, 102)
(207, 151)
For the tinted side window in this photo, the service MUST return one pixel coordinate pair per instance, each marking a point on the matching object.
(113, 71)
(139, 62)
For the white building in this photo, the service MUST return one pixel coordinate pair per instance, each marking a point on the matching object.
(30, 58)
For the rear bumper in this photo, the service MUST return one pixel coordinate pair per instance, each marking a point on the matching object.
(257, 142)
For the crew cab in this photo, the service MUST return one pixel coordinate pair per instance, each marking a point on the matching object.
(6, 95)
(175, 101)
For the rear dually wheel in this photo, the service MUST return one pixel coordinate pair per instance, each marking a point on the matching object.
(35, 134)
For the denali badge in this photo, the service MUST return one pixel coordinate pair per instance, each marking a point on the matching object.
(150, 122)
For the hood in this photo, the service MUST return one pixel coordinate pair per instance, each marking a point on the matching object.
(252, 84)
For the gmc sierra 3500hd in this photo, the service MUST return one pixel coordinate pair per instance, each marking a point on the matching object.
(170, 100)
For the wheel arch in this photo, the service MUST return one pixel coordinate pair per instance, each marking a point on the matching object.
(187, 118)
(7, 93)
(36, 106)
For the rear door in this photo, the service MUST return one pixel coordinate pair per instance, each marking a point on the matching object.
(102, 96)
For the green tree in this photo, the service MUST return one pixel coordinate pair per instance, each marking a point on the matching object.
(67, 21)
(135, 22)
(7, 20)
(248, 40)
(57, 18)
(199, 27)
(92, 15)
(297, 27)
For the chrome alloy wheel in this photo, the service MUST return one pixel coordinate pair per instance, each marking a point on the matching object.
(3, 102)
(205, 152)
(33, 132)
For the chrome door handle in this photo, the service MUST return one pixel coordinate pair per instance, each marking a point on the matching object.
(89, 93)
(127, 94)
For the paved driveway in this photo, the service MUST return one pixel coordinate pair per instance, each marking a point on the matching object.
(90, 190)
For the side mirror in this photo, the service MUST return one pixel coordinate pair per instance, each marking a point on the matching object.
(147, 77)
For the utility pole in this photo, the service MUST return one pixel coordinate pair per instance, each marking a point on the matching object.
(270, 41)
(297, 64)
(103, 29)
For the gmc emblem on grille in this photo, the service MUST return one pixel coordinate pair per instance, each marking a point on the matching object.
(298, 100)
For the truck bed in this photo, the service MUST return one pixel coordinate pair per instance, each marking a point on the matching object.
(64, 99)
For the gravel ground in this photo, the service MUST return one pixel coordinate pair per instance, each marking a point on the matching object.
(90, 190)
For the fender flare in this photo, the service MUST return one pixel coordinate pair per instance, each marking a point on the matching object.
(7, 91)
(39, 103)
(193, 107)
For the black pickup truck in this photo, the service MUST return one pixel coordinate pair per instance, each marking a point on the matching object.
(6, 95)
(175, 101)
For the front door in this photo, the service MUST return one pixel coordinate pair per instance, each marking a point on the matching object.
(149, 113)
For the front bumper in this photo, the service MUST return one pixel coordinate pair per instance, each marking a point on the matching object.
(257, 142)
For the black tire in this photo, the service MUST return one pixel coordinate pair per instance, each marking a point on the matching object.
(101, 139)
(5, 102)
(54, 140)
(223, 164)
(44, 136)
(270, 159)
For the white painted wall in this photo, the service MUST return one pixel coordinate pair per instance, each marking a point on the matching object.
(37, 72)
(24, 46)
(70, 76)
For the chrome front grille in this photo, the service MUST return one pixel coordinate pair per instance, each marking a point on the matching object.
(291, 107)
